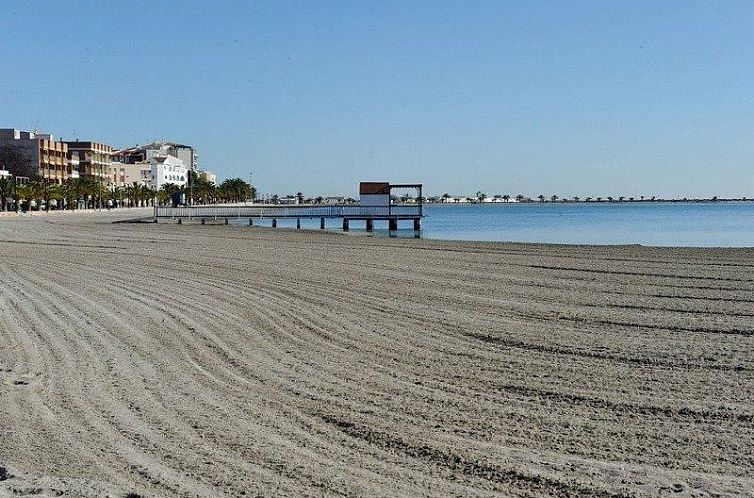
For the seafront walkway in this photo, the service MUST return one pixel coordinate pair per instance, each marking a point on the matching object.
(392, 213)
(145, 211)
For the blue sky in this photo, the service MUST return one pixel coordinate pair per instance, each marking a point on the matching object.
(568, 98)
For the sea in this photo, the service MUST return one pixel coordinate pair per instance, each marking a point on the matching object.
(689, 224)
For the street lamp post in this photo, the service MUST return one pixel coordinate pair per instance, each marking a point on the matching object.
(250, 188)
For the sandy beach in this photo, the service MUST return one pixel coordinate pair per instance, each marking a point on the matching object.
(187, 360)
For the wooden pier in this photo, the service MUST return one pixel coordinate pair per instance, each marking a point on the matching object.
(376, 204)
(393, 214)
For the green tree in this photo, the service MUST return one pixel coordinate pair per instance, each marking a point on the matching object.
(7, 188)
(23, 195)
(236, 190)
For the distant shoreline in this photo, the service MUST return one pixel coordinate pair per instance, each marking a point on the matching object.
(594, 201)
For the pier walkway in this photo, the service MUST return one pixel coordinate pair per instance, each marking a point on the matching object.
(392, 213)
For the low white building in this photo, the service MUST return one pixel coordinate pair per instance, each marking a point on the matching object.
(167, 169)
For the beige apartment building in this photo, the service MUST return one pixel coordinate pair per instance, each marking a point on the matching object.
(47, 158)
(94, 160)
(125, 175)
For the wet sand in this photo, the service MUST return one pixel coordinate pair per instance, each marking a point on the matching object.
(167, 360)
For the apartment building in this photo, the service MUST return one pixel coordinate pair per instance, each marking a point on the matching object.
(125, 175)
(93, 158)
(47, 158)
(142, 153)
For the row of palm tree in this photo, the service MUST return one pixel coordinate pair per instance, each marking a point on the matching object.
(481, 197)
(72, 194)
(78, 193)
(201, 191)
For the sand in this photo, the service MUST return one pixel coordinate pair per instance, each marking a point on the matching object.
(167, 360)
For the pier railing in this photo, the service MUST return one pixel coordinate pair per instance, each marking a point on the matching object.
(398, 211)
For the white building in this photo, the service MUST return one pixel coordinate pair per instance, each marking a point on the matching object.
(167, 169)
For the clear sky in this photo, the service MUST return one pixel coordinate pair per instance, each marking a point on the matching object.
(568, 98)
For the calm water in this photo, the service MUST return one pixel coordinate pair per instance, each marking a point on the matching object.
(652, 224)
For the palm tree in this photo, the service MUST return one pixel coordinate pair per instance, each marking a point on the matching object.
(24, 193)
(118, 195)
(519, 197)
(506, 197)
(576, 198)
(554, 198)
(166, 192)
(7, 186)
(445, 197)
(146, 195)
(36, 191)
(163, 196)
(235, 190)
(481, 196)
(541, 198)
(49, 191)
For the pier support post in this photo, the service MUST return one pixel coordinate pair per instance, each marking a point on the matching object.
(204, 221)
(345, 224)
(370, 225)
(298, 223)
(251, 222)
(392, 224)
(417, 224)
(321, 223)
(226, 221)
(180, 221)
(274, 222)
